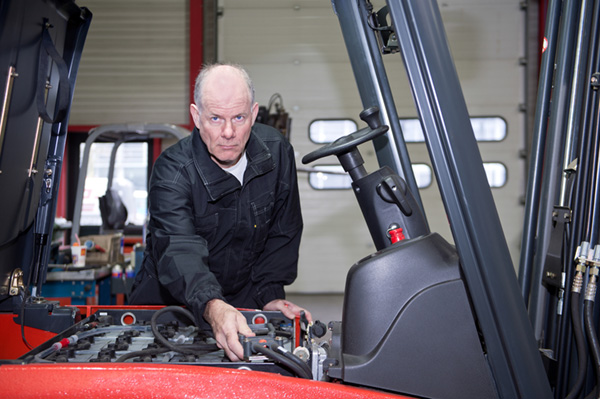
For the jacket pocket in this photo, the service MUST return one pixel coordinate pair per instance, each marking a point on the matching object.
(206, 226)
(262, 213)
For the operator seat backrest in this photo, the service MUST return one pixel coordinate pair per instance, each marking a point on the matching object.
(112, 211)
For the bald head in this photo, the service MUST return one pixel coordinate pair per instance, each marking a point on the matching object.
(221, 77)
(224, 112)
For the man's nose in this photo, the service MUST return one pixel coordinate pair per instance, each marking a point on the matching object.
(228, 130)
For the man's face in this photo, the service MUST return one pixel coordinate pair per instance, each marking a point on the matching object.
(226, 118)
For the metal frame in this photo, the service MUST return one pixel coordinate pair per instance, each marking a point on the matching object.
(485, 259)
(374, 90)
(119, 134)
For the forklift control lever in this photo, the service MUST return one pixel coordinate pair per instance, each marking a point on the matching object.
(394, 191)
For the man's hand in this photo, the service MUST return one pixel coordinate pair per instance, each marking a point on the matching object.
(289, 309)
(226, 322)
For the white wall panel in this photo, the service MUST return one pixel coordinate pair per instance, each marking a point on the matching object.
(296, 48)
(134, 64)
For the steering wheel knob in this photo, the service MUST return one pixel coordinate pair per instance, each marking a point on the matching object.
(371, 116)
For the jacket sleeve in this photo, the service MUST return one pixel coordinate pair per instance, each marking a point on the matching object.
(278, 263)
(181, 255)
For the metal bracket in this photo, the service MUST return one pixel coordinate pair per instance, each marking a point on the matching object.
(595, 80)
(16, 282)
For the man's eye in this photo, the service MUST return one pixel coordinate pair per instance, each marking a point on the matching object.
(239, 118)
(214, 118)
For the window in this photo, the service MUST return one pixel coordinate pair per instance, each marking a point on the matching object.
(322, 131)
(130, 179)
(423, 174)
(333, 177)
(485, 129)
(496, 174)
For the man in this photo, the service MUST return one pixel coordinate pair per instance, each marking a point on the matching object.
(225, 221)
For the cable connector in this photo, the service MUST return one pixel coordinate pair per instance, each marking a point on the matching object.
(582, 253)
(577, 281)
(581, 257)
(590, 291)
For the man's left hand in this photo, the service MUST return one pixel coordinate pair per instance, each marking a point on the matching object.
(289, 309)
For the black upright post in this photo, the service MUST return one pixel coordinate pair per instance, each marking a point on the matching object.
(553, 158)
(485, 259)
(537, 149)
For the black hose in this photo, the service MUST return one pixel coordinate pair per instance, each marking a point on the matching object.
(581, 346)
(278, 358)
(140, 353)
(593, 394)
(293, 358)
(592, 338)
(185, 349)
(24, 299)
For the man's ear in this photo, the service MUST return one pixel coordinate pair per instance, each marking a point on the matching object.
(254, 112)
(195, 112)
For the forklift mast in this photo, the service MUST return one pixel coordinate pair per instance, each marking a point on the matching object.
(513, 356)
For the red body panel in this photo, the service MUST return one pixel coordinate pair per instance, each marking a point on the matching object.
(126, 380)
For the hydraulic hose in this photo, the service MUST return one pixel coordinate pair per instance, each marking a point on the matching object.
(279, 358)
(581, 346)
(592, 338)
(588, 306)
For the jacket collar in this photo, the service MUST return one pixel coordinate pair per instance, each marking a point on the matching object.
(219, 183)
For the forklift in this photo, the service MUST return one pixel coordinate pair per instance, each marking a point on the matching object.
(421, 317)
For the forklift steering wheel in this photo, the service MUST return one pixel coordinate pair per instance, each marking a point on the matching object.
(347, 143)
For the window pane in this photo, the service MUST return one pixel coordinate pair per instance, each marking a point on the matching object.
(496, 173)
(489, 129)
(337, 179)
(328, 130)
(130, 180)
(411, 130)
(485, 129)
(423, 174)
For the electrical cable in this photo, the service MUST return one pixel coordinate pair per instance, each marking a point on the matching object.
(24, 298)
(292, 357)
(140, 353)
(272, 100)
(281, 359)
(185, 349)
(198, 348)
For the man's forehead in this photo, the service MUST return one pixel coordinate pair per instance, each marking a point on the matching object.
(239, 106)
(225, 92)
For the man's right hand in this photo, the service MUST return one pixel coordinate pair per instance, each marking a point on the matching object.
(226, 322)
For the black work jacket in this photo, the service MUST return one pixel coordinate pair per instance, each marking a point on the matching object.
(211, 237)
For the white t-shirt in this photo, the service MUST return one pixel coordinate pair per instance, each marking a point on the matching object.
(239, 168)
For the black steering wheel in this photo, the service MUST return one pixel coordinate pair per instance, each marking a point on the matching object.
(349, 142)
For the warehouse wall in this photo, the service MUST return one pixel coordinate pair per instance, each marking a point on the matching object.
(134, 68)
